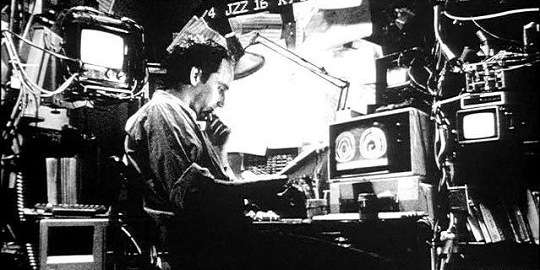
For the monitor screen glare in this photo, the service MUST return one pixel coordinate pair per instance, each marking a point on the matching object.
(102, 48)
(396, 77)
(479, 125)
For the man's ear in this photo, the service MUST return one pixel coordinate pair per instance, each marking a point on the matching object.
(195, 76)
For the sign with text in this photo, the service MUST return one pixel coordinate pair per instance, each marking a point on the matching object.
(243, 7)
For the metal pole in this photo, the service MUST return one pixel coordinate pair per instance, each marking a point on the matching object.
(12, 14)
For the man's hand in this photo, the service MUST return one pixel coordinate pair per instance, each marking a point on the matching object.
(201, 170)
(217, 131)
(205, 179)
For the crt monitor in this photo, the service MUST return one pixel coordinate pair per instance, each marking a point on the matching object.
(392, 78)
(396, 141)
(480, 125)
(493, 123)
(102, 49)
(110, 48)
(399, 78)
(497, 117)
(390, 73)
(75, 243)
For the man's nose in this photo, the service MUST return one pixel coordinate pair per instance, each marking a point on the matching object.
(221, 101)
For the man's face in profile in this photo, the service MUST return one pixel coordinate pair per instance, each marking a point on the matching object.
(211, 94)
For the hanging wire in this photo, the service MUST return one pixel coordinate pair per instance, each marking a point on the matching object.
(490, 16)
(61, 56)
(436, 25)
(21, 101)
(20, 71)
(37, 91)
(494, 35)
(423, 88)
(62, 87)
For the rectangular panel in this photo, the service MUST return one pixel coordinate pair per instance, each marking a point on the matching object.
(391, 142)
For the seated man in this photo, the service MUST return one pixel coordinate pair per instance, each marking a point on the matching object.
(185, 179)
(179, 164)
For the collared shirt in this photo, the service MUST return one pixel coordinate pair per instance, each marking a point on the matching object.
(182, 104)
(164, 140)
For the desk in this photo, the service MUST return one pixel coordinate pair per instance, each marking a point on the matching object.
(400, 238)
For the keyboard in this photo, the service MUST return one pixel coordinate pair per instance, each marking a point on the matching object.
(72, 209)
(355, 216)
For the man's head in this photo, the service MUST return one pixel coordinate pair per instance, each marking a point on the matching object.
(203, 72)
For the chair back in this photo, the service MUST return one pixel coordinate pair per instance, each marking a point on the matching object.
(139, 241)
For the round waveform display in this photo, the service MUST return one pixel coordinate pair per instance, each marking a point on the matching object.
(345, 147)
(373, 143)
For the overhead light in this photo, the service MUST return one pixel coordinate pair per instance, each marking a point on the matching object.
(247, 63)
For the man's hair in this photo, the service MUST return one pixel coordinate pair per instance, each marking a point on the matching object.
(207, 57)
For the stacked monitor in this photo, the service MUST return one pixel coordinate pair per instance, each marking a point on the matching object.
(490, 117)
(388, 152)
(393, 142)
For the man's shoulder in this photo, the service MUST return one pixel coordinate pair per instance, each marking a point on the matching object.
(160, 108)
(162, 103)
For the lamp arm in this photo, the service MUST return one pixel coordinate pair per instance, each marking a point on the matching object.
(299, 60)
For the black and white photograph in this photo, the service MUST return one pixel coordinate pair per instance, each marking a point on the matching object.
(270, 134)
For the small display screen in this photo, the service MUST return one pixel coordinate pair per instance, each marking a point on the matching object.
(361, 148)
(381, 143)
(479, 125)
(102, 48)
(73, 240)
(397, 76)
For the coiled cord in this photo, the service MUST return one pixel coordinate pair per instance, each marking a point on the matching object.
(19, 186)
(31, 257)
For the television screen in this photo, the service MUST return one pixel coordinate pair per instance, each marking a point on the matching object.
(102, 48)
(389, 142)
(397, 81)
(103, 56)
(76, 240)
(72, 243)
(110, 48)
(397, 77)
(498, 116)
(479, 125)
(362, 147)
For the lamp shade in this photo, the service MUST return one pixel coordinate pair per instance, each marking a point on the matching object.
(247, 63)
